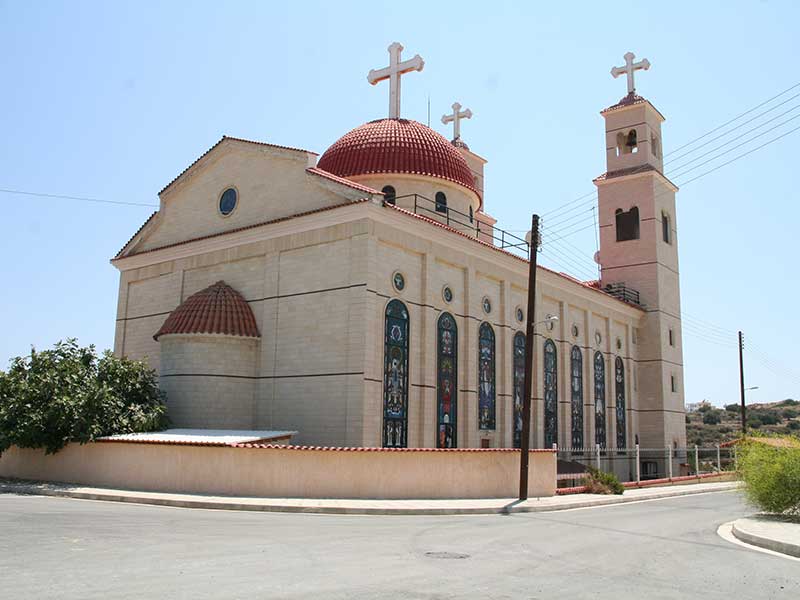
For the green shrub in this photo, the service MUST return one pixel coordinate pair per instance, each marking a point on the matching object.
(601, 482)
(712, 417)
(734, 408)
(771, 476)
(793, 425)
(754, 422)
(67, 394)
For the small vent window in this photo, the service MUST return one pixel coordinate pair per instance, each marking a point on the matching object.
(441, 202)
(666, 228)
(389, 194)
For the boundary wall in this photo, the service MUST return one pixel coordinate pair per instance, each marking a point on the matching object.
(273, 471)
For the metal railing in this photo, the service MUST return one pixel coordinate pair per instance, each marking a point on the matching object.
(624, 293)
(505, 240)
(639, 464)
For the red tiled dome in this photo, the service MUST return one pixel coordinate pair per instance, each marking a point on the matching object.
(217, 309)
(396, 146)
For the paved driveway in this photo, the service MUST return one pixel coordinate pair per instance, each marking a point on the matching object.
(62, 548)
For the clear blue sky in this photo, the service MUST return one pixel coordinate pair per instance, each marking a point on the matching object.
(112, 100)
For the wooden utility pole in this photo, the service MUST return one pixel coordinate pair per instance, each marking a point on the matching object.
(741, 384)
(525, 440)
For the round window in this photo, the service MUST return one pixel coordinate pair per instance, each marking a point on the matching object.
(227, 201)
(520, 315)
(619, 344)
(597, 337)
(399, 281)
(487, 305)
(447, 294)
(575, 331)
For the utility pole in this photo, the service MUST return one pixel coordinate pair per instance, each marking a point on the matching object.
(741, 384)
(529, 345)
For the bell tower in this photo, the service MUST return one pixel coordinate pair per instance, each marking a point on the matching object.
(639, 255)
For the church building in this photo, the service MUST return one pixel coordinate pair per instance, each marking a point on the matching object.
(366, 297)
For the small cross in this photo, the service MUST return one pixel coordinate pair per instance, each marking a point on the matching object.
(455, 118)
(629, 68)
(393, 73)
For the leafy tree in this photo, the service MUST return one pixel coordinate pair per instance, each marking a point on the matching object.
(68, 394)
(789, 413)
(712, 417)
(767, 417)
(754, 422)
(793, 425)
(733, 408)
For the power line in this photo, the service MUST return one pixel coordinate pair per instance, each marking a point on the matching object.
(81, 198)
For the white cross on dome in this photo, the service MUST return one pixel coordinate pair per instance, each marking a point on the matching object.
(393, 73)
(455, 118)
(630, 68)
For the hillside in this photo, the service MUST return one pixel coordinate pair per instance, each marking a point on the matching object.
(707, 425)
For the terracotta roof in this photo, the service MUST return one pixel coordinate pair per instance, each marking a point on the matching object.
(629, 100)
(377, 449)
(396, 146)
(244, 228)
(138, 231)
(236, 139)
(645, 168)
(217, 309)
(356, 186)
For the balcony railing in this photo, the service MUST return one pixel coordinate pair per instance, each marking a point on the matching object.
(465, 223)
(624, 293)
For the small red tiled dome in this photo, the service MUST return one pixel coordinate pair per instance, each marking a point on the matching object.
(396, 146)
(217, 309)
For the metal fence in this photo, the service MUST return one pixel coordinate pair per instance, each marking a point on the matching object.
(642, 464)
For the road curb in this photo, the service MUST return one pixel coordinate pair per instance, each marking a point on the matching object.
(738, 528)
(265, 506)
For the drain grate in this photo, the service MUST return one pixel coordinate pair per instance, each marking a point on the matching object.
(446, 555)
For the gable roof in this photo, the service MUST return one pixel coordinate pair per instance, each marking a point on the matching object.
(235, 139)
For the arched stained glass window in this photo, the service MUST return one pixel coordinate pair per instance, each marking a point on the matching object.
(447, 361)
(619, 382)
(576, 400)
(550, 395)
(486, 376)
(599, 399)
(395, 376)
(519, 385)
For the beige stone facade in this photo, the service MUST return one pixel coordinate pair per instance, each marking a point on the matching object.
(315, 257)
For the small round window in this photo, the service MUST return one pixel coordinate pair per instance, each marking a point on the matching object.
(487, 305)
(597, 337)
(227, 202)
(399, 281)
(575, 331)
(447, 294)
(520, 315)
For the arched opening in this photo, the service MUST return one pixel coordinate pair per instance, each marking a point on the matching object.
(599, 399)
(447, 382)
(627, 224)
(576, 400)
(441, 202)
(632, 142)
(550, 395)
(395, 376)
(619, 380)
(389, 194)
(666, 228)
(486, 377)
(655, 145)
(519, 385)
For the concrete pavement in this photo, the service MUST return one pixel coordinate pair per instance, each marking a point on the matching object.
(663, 549)
(773, 532)
(363, 507)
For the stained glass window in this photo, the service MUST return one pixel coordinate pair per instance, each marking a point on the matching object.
(447, 357)
(619, 382)
(550, 395)
(599, 400)
(395, 376)
(519, 385)
(486, 376)
(576, 404)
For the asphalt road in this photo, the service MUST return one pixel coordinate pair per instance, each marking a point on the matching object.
(63, 548)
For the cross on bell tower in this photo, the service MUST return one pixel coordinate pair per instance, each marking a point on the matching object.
(393, 73)
(455, 118)
(629, 69)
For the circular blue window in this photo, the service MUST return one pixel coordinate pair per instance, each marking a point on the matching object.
(227, 202)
